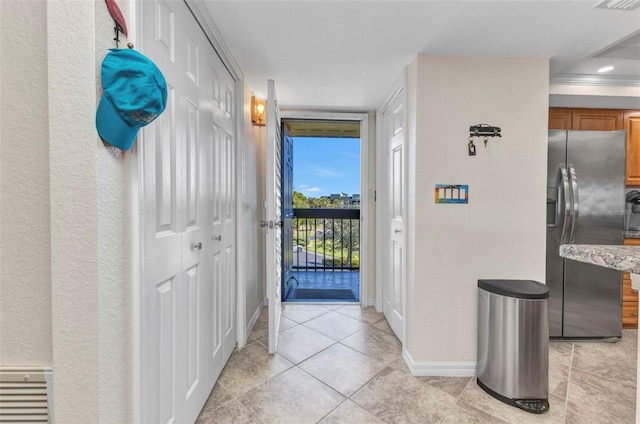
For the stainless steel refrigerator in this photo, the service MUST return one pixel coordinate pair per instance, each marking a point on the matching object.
(585, 205)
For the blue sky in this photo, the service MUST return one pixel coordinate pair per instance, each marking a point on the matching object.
(323, 166)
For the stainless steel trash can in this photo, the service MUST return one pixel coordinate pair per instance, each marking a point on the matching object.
(513, 342)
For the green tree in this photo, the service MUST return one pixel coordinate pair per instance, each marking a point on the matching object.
(300, 200)
(341, 239)
(319, 202)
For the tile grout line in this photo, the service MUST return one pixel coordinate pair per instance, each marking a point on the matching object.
(566, 400)
(444, 419)
(233, 397)
(334, 389)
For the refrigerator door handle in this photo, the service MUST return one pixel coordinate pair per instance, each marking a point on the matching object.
(575, 203)
(566, 193)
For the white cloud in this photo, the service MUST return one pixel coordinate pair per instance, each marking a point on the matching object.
(348, 154)
(326, 173)
(307, 188)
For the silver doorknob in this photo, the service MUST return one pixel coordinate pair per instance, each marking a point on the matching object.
(219, 238)
(397, 231)
(197, 246)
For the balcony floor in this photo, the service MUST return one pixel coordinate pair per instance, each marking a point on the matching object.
(325, 286)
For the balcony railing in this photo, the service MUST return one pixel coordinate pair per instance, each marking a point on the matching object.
(326, 239)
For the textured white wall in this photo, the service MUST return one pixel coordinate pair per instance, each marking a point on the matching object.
(115, 242)
(65, 294)
(252, 259)
(1, 231)
(25, 289)
(74, 210)
(74, 213)
(501, 232)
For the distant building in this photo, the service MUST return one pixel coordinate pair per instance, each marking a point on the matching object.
(345, 200)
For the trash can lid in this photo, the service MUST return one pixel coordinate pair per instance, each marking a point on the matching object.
(523, 289)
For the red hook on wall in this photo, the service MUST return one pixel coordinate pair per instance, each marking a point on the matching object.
(120, 23)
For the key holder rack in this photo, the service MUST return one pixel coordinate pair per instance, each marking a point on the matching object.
(481, 130)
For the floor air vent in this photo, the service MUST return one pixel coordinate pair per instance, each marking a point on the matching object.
(619, 4)
(25, 395)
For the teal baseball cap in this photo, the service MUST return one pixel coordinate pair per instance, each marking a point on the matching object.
(134, 94)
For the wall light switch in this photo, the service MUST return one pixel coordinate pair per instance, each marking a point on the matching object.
(452, 193)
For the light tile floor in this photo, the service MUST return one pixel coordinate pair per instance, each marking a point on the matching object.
(342, 364)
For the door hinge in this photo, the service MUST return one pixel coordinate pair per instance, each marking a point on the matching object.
(271, 224)
(375, 195)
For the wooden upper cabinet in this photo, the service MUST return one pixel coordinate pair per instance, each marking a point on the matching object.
(632, 125)
(631, 242)
(559, 118)
(597, 119)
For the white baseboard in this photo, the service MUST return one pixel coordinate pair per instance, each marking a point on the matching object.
(254, 318)
(439, 369)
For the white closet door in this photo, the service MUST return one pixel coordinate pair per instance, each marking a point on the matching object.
(187, 309)
(393, 263)
(220, 125)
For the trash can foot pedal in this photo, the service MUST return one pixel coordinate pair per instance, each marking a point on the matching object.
(536, 406)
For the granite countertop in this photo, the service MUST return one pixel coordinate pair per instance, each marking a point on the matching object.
(622, 258)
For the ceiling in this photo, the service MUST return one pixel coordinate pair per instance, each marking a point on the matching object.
(347, 55)
(319, 128)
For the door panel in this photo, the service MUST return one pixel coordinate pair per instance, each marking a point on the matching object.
(596, 119)
(191, 383)
(593, 305)
(273, 192)
(599, 161)
(593, 294)
(164, 370)
(393, 250)
(192, 333)
(224, 233)
(215, 352)
(632, 126)
(228, 321)
(162, 257)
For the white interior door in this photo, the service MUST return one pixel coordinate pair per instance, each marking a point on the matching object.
(394, 261)
(273, 204)
(187, 296)
(220, 125)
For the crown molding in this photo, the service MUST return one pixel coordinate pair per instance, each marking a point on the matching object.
(584, 79)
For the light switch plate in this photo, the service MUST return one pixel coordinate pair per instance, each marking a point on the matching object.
(452, 193)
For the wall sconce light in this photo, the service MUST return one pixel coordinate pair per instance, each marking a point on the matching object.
(258, 111)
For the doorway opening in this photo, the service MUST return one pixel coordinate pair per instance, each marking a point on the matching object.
(321, 253)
